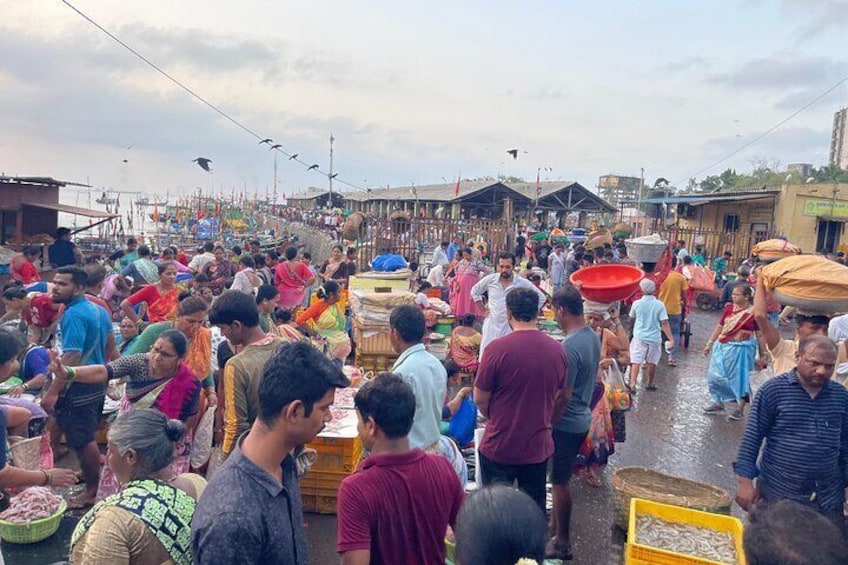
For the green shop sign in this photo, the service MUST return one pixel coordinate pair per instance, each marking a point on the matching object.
(825, 208)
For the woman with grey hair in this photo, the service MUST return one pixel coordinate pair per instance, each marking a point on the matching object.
(149, 521)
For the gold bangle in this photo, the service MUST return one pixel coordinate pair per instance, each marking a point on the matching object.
(46, 478)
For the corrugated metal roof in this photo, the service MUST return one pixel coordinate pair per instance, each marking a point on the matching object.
(426, 192)
(88, 212)
(699, 199)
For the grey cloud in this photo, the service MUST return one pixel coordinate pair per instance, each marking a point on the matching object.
(818, 16)
(782, 71)
(204, 50)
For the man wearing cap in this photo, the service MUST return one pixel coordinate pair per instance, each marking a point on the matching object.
(650, 319)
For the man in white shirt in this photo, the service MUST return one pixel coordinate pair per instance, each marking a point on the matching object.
(440, 255)
(497, 285)
(199, 261)
(436, 277)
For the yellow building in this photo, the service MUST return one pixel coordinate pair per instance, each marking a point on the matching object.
(813, 216)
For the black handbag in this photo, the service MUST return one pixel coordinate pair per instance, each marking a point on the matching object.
(619, 425)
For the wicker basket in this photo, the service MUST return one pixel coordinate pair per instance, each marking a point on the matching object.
(26, 452)
(647, 484)
(34, 531)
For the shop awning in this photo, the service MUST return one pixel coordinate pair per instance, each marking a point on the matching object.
(842, 219)
(88, 212)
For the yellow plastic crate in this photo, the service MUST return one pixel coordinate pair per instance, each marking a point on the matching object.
(336, 455)
(637, 554)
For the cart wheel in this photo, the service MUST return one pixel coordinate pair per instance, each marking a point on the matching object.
(687, 333)
(705, 302)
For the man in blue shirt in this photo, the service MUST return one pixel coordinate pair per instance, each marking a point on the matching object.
(455, 246)
(63, 251)
(86, 339)
(802, 416)
(428, 379)
(651, 318)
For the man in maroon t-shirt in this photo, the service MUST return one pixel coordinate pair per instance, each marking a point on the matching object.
(521, 387)
(406, 497)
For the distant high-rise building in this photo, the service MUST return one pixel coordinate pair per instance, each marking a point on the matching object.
(616, 188)
(804, 170)
(839, 139)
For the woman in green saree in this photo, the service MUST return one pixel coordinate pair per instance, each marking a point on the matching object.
(149, 521)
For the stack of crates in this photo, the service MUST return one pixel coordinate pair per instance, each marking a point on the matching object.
(338, 457)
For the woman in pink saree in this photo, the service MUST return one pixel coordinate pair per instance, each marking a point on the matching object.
(291, 279)
(468, 271)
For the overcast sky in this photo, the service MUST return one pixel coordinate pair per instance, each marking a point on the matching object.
(413, 92)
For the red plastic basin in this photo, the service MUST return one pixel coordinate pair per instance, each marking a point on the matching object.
(608, 283)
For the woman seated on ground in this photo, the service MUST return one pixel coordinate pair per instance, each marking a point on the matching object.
(326, 320)
(158, 379)
(600, 441)
(22, 266)
(149, 520)
(267, 298)
(143, 270)
(220, 270)
(115, 289)
(161, 298)
(286, 328)
(246, 280)
(129, 334)
(465, 344)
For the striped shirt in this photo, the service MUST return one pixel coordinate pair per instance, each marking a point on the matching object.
(806, 456)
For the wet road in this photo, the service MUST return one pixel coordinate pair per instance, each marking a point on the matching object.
(666, 431)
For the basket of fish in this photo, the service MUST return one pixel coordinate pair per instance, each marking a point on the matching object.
(33, 515)
(638, 482)
(670, 535)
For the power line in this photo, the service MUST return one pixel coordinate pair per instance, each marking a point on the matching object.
(198, 97)
(767, 132)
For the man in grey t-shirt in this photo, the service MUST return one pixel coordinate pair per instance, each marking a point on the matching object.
(583, 351)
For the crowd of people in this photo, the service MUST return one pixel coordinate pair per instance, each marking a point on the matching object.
(247, 346)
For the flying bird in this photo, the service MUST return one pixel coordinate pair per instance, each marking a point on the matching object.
(266, 140)
(315, 166)
(276, 146)
(294, 156)
(126, 161)
(334, 175)
(203, 163)
(514, 153)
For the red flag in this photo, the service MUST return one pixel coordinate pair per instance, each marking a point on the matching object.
(456, 188)
(155, 215)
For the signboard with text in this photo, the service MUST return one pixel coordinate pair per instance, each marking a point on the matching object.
(825, 208)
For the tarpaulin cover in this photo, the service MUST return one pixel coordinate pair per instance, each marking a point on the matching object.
(808, 277)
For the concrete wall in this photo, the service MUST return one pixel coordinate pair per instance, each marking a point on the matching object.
(317, 242)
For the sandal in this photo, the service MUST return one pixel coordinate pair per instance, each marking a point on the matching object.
(556, 551)
(592, 479)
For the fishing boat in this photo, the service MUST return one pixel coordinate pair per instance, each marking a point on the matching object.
(105, 199)
(142, 201)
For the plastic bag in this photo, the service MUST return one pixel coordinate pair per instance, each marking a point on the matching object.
(201, 447)
(216, 459)
(463, 423)
(618, 393)
(702, 278)
(759, 378)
